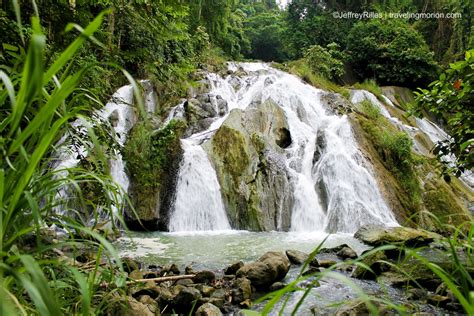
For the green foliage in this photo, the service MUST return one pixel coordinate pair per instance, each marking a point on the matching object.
(395, 150)
(451, 97)
(311, 24)
(391, 52)
(37, 103)
(303, 70)
(323, 62)
(371, 86)
(265, 32)
(148, 152)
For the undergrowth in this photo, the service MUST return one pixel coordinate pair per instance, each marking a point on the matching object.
(39, 274)
(304, 71)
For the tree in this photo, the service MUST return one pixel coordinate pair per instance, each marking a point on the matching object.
(264, 31)
(451, 97)
(391, 52)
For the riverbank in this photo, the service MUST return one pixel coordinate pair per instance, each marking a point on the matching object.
(334, 280)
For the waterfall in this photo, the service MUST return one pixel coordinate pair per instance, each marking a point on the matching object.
(121, 114)
(194, 210)
(335, 189)
(423, 125)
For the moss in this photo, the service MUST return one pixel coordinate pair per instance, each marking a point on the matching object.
(150, 157)
(230, 146)
(395, 151)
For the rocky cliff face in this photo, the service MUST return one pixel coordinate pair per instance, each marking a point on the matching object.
(247, 152)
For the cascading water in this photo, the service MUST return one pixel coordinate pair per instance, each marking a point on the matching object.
(430, 129)
(121, 115)
(195, 211)
(334, 188)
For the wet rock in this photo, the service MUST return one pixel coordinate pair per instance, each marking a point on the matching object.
(359, 307)
(150, 303)
(204, 98)
(374, 262)
(296, 256)
(219, 298)
(130, 265)
(136, 275)
(206, 290)
(347, 253)
(251, 169)
(333, 250)
(314, 263)
(189, 270)
(114, 118)
(271, 267)
(277, 286)
(336, 103)
(233, 268)
(186, 297)
(416, 294)
(185, 282)
(128, 306)
(326, 263)
(438, 300)
(171, 269)
(242, 290)
(204, 277)
(147, 288)
(311, 271)
(165, 296)
(222, 106)
(208, 309)
(378, 235)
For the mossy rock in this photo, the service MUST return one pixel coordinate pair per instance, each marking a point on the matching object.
(378, 236)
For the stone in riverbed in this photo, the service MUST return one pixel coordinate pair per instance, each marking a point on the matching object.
(242, 290)
(325, 263)
(233, 268)
(186, 297)
(359, 307)
(347, 253)
(377, 235)
(374, 262)
(271, 267)
(296, 256)
(130, 264)
(277, 286)
(204, 277)
(208, 309)
(120, 305)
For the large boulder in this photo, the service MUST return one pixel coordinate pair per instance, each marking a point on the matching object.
(271, 267)
(249, 157)
(378, 235)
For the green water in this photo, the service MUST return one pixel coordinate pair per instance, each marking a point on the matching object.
(216, 250)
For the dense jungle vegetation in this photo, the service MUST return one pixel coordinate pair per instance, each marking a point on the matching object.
(60, 59)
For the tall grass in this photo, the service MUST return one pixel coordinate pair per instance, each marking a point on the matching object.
(371, 86)
(303, 70)
(37, 105)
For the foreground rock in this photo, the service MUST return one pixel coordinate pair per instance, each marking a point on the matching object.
(410, 237)
(271, 267)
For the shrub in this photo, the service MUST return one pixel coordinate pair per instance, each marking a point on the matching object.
(451, 98)
(323, 63)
